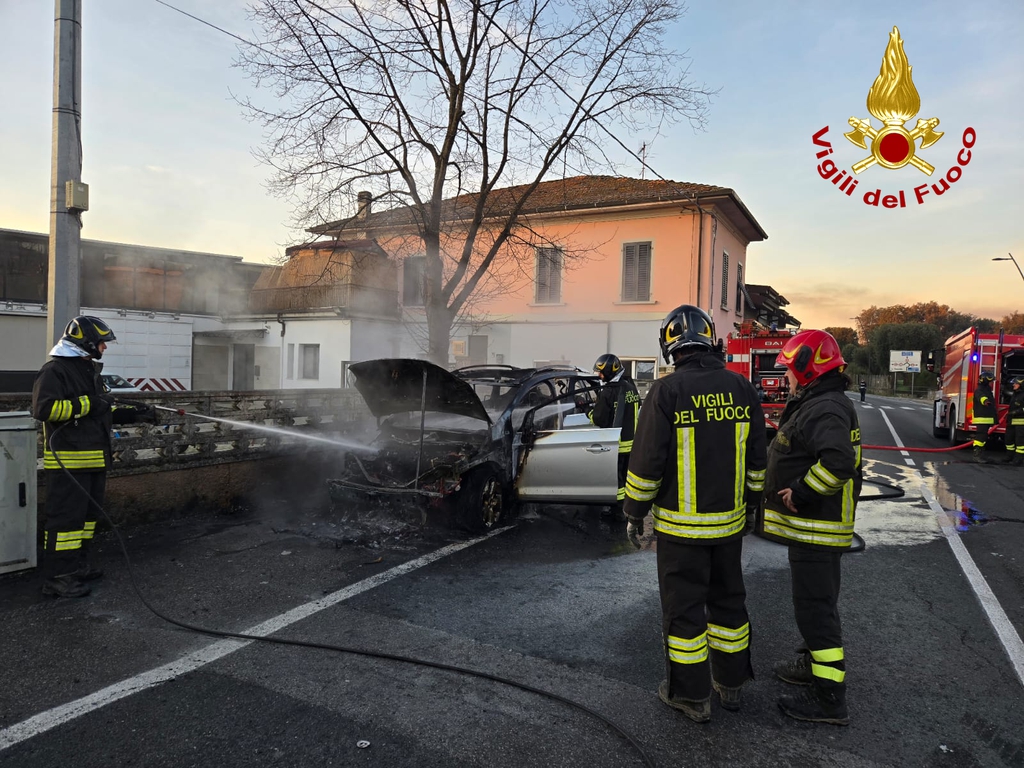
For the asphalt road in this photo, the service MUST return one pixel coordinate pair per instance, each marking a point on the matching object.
(557, 601)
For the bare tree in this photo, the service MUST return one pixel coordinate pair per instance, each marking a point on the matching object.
(454, 111)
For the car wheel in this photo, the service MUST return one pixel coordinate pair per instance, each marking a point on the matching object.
(480, 505)
(952, 427)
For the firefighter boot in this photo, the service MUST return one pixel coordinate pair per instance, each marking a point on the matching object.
(979, 455)
(796, 671)
(89, 573)
(731, 698)
(818, 704)
(698, 711)
(66, 585)
(1017, 460)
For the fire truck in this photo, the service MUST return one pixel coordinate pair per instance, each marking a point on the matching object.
(751, 351)
(957, 365)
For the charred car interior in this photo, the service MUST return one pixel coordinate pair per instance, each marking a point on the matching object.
(467, 446)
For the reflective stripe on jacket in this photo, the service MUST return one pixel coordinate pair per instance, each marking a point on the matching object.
(698, 458)
(984, 405)
(61, 395)
(817, 454)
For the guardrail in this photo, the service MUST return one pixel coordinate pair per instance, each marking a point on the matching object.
(181, 442)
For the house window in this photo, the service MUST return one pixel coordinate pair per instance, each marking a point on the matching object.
(412, 281)
(309, 360)
(739, 289)
(290, 369)
(549, 276)
(725, 280)
(347, 379)
(636, 272)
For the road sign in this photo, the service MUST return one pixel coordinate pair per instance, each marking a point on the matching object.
(904, 361)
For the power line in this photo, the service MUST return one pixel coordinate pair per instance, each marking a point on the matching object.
(213, 26)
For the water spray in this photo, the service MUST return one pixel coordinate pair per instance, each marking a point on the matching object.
(337, 442)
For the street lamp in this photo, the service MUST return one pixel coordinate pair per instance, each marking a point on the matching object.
(1009, 257)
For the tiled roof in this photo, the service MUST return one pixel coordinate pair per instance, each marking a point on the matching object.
(574, 194)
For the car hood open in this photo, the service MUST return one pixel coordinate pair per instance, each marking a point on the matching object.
(396, 385)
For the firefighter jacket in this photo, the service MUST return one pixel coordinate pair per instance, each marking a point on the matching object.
(984, 405)
(816, 453)
(618, 404)
(68, 391)
(698, 459)
(1015, 414)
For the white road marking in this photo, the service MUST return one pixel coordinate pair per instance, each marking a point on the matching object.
(45, 721)
(997, 617)
(869, 407)
(906, 408)
(887, 407)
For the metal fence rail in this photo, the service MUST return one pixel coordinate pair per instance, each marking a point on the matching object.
(180, 442)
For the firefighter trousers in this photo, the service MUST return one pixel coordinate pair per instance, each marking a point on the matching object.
(70, 519)
(1014, 438)
(704, 616)
(622, 470)
(816, 581)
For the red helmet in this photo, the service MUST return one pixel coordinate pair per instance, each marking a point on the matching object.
(809, 354)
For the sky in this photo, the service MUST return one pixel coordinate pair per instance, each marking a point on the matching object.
(168, 152)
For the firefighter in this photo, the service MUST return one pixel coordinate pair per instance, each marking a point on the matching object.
(863, 387)
(984, 414)
(698, 465)
(68, 395)
(810, 497)
(617, 406)
(1015, 422)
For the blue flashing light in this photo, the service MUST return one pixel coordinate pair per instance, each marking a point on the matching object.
(974, 357)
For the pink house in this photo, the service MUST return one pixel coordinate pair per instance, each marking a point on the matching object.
(610, 258)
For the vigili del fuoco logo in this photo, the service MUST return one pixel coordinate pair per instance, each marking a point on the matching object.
(894, 101)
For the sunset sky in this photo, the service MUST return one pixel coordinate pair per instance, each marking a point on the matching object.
(168, 150)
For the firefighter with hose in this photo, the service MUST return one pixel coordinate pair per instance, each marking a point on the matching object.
(77, 414)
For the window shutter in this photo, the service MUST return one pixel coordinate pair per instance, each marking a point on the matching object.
(629, 260)
(643, 277)
(555, 276)
(549, 276)
(725, 280)
(739, 289)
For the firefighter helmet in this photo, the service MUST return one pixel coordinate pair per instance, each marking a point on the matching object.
(87, 332)
(686, 326)
(1017, 380)
(809, 354)
(607, 367)
(986, 377)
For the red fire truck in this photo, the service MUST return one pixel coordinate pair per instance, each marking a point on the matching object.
(751, 351)
(958, 364)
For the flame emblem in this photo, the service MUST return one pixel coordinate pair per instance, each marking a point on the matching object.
(894, 100)
(818, 359)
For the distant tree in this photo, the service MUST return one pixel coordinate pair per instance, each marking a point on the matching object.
(901, 336)
(947, 320)
(453, 111)
(1013, 323)
(843, 336)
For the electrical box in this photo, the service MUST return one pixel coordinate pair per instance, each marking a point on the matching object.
(76, 196)
(18, 448)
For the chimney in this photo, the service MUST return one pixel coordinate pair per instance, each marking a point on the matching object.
(363, 200)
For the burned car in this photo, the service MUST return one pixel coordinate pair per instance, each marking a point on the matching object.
(473, 443)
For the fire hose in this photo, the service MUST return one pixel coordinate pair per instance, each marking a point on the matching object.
(619, 730)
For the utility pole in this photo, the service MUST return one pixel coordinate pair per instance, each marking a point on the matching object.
(62, 290)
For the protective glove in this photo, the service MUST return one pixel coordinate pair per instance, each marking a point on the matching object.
(634, 530)
(99, 404)
(146, 413)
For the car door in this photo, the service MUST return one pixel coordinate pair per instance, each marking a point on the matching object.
(576, 463)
